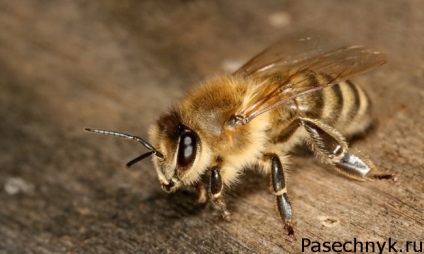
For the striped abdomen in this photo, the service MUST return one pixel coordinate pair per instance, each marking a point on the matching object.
(344, 106)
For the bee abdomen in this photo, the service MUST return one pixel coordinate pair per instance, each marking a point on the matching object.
(347, 108)
(344, 106)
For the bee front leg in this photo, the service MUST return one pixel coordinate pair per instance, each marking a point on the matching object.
(216, 189)
(329, 145)
(280, 191)
(200, 187)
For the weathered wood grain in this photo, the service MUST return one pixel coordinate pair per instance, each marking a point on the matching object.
(65, 65)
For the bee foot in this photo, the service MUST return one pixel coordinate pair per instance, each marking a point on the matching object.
(226, 215)
(290, 231)
(202, 199)
(392, 177)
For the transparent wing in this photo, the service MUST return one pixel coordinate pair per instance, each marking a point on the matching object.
(282, 77)
(289, 50)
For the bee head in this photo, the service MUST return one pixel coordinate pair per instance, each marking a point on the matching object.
(181, 149)
(176, 149)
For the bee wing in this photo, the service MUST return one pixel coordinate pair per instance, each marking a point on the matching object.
(282, 77)
(290, 50)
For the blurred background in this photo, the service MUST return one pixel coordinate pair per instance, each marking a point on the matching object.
(66, 65)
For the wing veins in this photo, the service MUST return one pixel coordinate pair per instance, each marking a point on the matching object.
(330, 66)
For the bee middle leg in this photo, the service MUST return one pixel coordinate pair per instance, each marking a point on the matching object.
(216, 190)
(278, 181)
(330, 145)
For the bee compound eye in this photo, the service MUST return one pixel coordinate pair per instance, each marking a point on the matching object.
(187, 149)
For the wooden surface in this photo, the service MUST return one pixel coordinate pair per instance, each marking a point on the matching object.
(65, 65)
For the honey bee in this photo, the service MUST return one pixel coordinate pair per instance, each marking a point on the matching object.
(254, 118)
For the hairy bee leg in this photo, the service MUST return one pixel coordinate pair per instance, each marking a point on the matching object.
(201, 189)
(216, 187)
(280, 191)
(330, 145)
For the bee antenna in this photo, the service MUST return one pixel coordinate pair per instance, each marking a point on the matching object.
(127, 136)
(139, 158)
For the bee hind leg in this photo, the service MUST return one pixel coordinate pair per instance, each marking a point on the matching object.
(278, 181)
(216, 189)
(330, 145)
